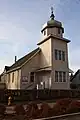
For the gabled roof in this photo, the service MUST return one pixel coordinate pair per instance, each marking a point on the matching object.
(22, 60)
(75, 75)
(7, 68)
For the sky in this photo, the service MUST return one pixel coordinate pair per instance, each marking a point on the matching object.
(22, 20)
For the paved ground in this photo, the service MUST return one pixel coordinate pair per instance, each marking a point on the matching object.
(10, 110)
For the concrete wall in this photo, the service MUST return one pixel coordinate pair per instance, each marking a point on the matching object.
(16, 83)
(32, 65)
(45, 55)
(59, 65)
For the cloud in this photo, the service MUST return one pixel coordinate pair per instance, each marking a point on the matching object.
(74, 59)
(12, 41)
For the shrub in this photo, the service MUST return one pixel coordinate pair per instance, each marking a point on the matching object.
(45, 110)
(64, 102)
(19, 109)
(2, 109)
(73, 107)
(32, 110)
(61, 106)
(64, 106)
(57, 109)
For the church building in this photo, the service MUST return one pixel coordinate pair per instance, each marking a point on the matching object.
(45, 67)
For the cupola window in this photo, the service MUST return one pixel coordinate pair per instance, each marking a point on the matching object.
(58, 30)
(44, 32)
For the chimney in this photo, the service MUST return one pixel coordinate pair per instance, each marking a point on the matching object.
(15, 59)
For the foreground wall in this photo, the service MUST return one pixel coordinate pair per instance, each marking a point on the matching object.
(33, 95)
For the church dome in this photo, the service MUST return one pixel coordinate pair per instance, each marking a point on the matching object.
(54, 23)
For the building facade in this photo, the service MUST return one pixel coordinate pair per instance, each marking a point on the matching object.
(46, 66)
(75, 80)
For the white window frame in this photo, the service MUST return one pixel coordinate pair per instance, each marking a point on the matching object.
(59, 76)
(59, 53)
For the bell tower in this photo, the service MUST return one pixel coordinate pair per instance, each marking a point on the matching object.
(52, 27)
(54, 53)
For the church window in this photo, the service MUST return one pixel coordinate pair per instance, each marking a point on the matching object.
(12, 77)
(60, 76)
(32, 77)
(64, 76)
(63, 55)
(56, 54)
(59, 54)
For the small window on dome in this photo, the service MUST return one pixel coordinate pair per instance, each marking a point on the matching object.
(44, 32)
(58, 30)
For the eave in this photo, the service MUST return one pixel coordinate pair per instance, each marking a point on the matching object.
(55, 37)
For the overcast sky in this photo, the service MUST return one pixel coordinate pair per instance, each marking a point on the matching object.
(22, 20)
